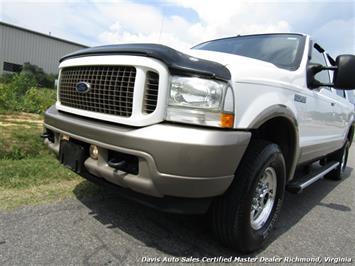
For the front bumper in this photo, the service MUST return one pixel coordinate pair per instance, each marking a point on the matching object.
(174, 160)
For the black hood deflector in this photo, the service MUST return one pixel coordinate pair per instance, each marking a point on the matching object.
(178, 63)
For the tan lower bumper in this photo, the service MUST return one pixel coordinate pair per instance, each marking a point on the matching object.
(174, 160)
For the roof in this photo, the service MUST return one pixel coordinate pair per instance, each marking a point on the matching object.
(42, 34)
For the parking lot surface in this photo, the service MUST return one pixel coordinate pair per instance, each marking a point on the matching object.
(109, 230)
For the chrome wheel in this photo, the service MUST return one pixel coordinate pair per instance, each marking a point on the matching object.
(263, 199)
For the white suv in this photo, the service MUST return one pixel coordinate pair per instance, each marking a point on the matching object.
(219, 128)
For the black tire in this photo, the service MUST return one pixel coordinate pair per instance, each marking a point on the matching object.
(231, 212)
(340, 156)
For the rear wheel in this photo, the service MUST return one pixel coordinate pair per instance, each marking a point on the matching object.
(340, 156)
(244, 216)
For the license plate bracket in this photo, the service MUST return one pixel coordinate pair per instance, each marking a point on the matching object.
(72, 155)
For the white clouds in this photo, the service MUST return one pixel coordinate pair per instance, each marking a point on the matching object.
(223, 17)
(135, 18)
(142, 23)
(77, 22)
(339, 34)
(117, 34)
(214, 12)
(126, 21)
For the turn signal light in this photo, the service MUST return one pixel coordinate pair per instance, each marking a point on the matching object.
(227, 120)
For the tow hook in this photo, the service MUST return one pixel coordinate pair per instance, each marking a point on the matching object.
(114, 163)
(45, 135)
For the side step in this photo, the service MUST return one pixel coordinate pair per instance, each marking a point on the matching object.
(299, 184)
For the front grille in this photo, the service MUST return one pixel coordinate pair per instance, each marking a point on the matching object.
(111, 89)
(151, 92)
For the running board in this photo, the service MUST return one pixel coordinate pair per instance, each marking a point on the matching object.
(299, 184)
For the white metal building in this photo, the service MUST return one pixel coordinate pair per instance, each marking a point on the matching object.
(19, 45)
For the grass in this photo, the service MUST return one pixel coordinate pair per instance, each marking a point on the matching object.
(29, 173)
(19, 137)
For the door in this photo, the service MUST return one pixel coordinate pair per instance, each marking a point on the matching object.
(320, 129)
(343, 109)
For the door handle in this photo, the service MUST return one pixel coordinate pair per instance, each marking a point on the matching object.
(332, 104)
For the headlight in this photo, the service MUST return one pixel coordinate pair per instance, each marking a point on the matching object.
(196, 93)
(201, 101)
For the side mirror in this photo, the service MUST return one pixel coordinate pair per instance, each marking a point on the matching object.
(344, 75)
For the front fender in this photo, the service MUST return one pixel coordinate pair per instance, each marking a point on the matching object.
(271, 102)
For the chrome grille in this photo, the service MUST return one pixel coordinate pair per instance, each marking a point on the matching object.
(111, 89)
(151, 92)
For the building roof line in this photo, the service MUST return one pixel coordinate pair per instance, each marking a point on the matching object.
(42, 34)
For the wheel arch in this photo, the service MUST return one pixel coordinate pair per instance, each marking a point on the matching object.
(278, 124)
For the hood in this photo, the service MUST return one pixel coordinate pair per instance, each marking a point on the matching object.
(242, 67)
(177, 62)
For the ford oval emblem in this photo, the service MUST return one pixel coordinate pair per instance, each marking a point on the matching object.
(82, 87)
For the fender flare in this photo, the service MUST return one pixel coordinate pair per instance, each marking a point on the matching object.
(276, 111)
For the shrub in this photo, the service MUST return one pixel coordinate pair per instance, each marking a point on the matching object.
(43, 79)
(38, 77)
(8, 99)
(20, 94)
(6, 77)
(11, 94)
(21, 83)
(38, 100)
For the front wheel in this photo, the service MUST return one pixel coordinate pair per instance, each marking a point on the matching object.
(244, 216)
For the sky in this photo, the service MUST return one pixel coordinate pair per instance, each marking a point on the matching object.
(184, 23)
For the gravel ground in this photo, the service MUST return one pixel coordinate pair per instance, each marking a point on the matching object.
(108, 230)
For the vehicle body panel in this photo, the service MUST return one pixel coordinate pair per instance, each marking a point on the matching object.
(175, 158)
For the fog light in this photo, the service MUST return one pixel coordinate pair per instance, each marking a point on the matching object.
(94, 152)
(65, 137)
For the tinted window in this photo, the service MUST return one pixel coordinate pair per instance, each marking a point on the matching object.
(282, 50)
(318, 58)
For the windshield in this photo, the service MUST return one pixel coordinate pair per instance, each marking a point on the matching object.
(282, 50)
